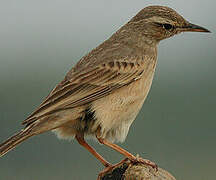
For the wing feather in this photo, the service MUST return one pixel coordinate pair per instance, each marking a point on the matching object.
(86, 86)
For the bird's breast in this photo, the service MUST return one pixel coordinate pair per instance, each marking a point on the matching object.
(115, 113)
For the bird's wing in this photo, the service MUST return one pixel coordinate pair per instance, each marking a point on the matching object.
(88, 85)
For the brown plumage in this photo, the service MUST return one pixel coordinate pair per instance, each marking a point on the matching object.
(104, 92)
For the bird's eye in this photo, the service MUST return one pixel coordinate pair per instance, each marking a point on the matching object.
(167, 26)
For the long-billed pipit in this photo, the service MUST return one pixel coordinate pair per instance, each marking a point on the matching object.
(103, 93)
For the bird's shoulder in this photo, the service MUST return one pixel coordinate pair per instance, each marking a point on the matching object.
(115, 56)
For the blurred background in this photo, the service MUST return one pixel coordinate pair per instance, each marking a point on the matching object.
(41, 40)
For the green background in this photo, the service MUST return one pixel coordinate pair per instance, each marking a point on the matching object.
(41, 40)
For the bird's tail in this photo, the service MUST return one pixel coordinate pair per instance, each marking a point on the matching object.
(45, 124)
(13, 141)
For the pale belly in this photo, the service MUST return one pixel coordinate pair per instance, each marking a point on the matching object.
(115, 113)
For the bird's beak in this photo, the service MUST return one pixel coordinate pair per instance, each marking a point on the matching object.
(193, 28)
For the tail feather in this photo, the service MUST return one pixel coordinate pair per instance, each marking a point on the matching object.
(46, 123)
(13, 141)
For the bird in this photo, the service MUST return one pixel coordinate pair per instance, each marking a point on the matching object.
(102, 94)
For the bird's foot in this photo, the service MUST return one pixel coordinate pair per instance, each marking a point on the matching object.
(110, 168)
(139, 160)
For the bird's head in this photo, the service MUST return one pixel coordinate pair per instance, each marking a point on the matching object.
(160, 22)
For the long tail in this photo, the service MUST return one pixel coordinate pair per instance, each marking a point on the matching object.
(13, 141)
(39, 126)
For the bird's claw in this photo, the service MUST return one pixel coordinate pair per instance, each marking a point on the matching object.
(145, 162)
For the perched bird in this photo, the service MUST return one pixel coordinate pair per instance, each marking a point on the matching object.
(103, 93)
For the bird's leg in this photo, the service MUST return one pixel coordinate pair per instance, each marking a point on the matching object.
(130, 156)
(82, 142)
